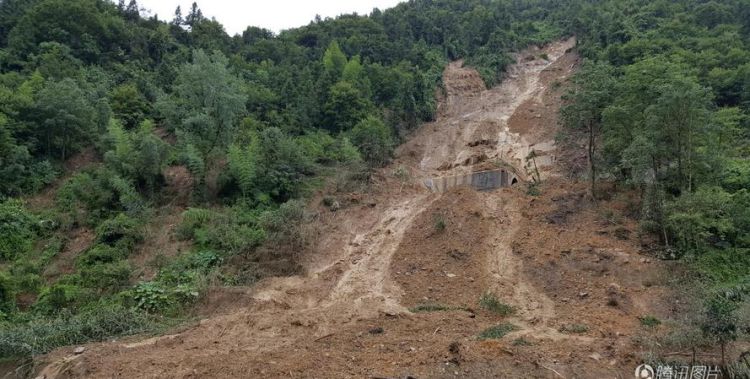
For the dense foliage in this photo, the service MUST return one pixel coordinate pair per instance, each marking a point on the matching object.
(663, 98)
(663, 95)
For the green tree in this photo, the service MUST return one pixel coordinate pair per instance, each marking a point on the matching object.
(195, 16)
(334, 61)
(720, 323)
(592, 91)
(374, 140)
(139, 155)
(128, 104)
(210, 102)
(345, 107)
(65, 120)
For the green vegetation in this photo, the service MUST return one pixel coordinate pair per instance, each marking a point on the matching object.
(649, 321)
(434, 307)
(439, 222)
(491, 303)
(498, 331)
(574, 328)
(661, 100)
(40, 335)
(521, 342)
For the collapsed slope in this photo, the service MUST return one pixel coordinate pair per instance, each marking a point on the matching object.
(401, 247)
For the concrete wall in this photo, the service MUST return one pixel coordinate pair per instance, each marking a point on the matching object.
(482, 181)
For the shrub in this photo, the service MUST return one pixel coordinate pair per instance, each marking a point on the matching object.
(204, 260)
(271, 167)
(151, 297)
(532, 189)
(439, 222)
(25, 276)
(106, 276)
(121, 231)
(93, 195)
(496, 332)
(100, 254)
(649, 321)
(230, 232)
(489, 302)
(521, 342)
(156, 297)
(18, 229)
(322, 148)
(59, 297)
(7, 293)
(574, 328)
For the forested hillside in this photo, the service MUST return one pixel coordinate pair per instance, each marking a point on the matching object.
(109, 120)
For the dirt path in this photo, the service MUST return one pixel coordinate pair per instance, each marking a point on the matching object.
(348, 316)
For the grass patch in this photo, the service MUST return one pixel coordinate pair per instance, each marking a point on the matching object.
(434, 307)
(489, 302)
(649, 321)
(533, 189)
(498, 331)
(520, 341)
(41, 335)
(439, 222)
(574, 328)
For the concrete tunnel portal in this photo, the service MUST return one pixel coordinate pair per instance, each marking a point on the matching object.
(481, 180)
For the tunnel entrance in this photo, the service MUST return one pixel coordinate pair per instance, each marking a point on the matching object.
(481, 181)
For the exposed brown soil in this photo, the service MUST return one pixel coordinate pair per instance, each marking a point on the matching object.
(575, 282)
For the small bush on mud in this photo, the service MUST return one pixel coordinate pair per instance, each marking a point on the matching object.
(439, 221)
(402, 174)
(432, 308)
(489, 302)
(533, 189)
(649, 321)
(498, 331)
(521, 342)
(574, 328)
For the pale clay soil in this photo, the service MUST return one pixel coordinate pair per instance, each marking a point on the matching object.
(347, 316)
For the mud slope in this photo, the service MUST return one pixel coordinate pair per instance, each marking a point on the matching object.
(402, 247)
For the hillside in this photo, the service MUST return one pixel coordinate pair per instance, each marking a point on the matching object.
(441, 189)
(373, 264)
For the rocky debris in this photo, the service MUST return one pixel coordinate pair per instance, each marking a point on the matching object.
(376, 330)
(455, 353)
(482, 142)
